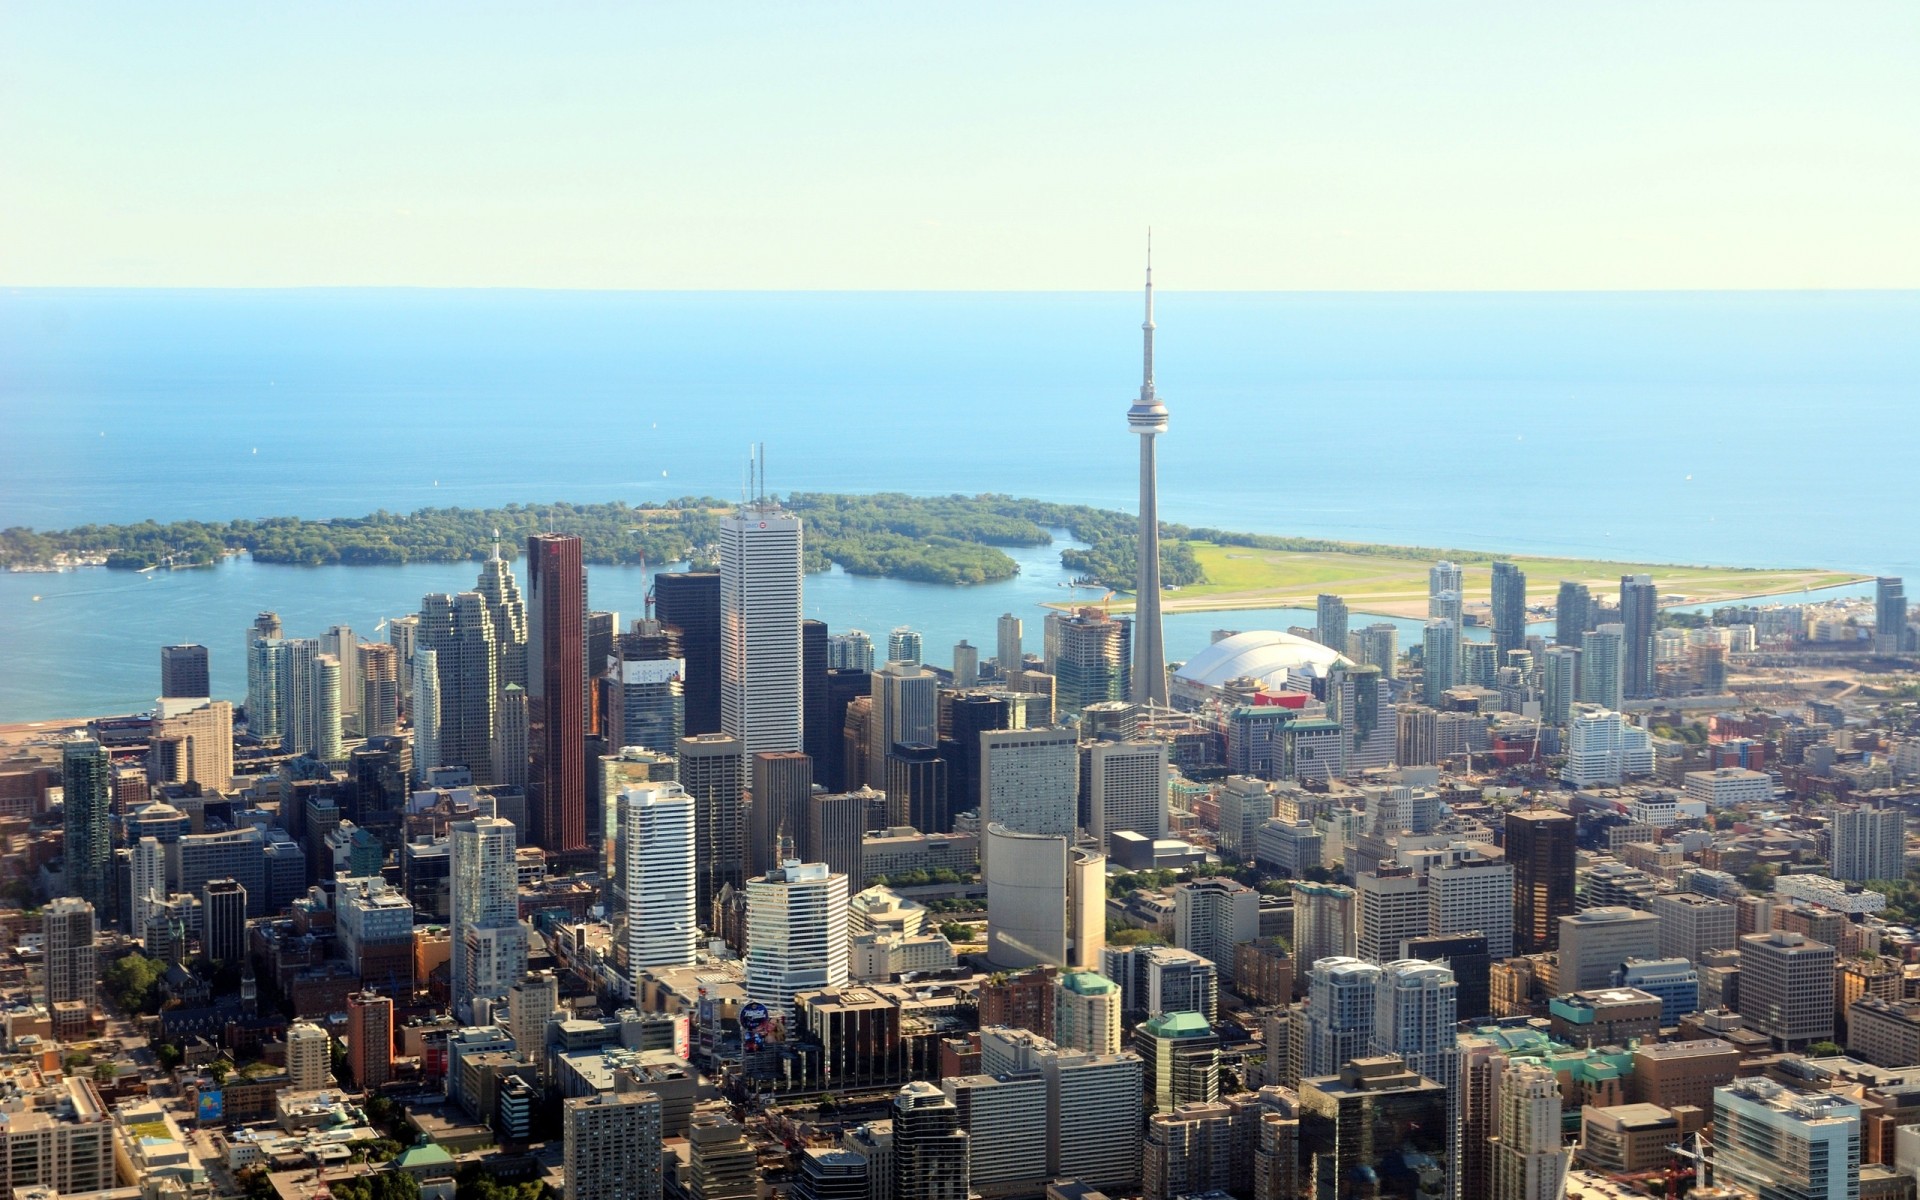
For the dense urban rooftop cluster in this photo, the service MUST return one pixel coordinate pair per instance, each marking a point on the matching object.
(720, 903)
(519, 898)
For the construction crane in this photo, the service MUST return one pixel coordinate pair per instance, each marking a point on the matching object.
(1701, 1153)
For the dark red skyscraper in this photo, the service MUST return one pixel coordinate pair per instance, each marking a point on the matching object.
(556, 692)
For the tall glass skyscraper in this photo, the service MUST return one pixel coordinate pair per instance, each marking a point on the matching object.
(489, 943)
(459, 631)
(657, 835)
(1330, 622)
(1603, 666)
(501, 592)
(1540, 845)
(1509, 608)
(689, 601)
(557, 693)
(1572, 613)
(760, 580)
(263, 691)
(1440, 647)
(1446, 583)
(1640, 615)
(1890, 614)
(86, 774)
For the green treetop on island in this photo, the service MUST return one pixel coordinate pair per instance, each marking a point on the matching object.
(935, 539)
(931, 539)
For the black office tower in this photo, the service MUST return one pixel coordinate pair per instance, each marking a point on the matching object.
(1465, 954)
(844, 685)
(710, 770)
(223, 920)
(836, 826)
(690, 602)
(968, 718)
(602, 629)
(814, 729)
(1540, 845)
(782, 784)
(183, 672)
(916, 787)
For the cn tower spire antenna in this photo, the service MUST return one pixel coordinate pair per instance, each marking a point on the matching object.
(1148, 418)
(1146, 328)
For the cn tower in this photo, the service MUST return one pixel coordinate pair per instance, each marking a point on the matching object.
(1148, 418)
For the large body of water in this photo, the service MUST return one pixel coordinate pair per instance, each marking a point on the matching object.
(1751, 429)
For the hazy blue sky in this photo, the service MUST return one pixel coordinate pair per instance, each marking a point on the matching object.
(1336, 144)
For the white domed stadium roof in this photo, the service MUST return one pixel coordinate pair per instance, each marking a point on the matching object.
(1261, 654)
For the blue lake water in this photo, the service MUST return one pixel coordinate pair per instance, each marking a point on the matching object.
(1750, 428)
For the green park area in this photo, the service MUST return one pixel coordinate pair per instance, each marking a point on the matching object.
(1378, 579)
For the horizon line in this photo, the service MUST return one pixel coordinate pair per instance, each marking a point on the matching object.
(935, 291)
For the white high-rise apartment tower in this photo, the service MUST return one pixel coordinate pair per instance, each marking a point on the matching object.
(68, 925)
(760, 582)
(1092, 1106)
(426, 713)
(904, 645)
(611, 1146)
(1337, 1023)
(1446, 585)
(149, 882)
(489, 951)
(1007, 645)
(309, 1056)
(1869, 843)
(327, 692)
(1529, 1163)
(663, 929)
(1416, 1005)
(796, 933)
(1211, 917)
(341, 642)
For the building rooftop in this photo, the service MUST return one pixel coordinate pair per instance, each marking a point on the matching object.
(1088, 983)
(1807, 1107)
(1638, 1116)
(425, 1154)
(1179, 1024)
(1697, 1048)
(1601, 916)
(1600, 998)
